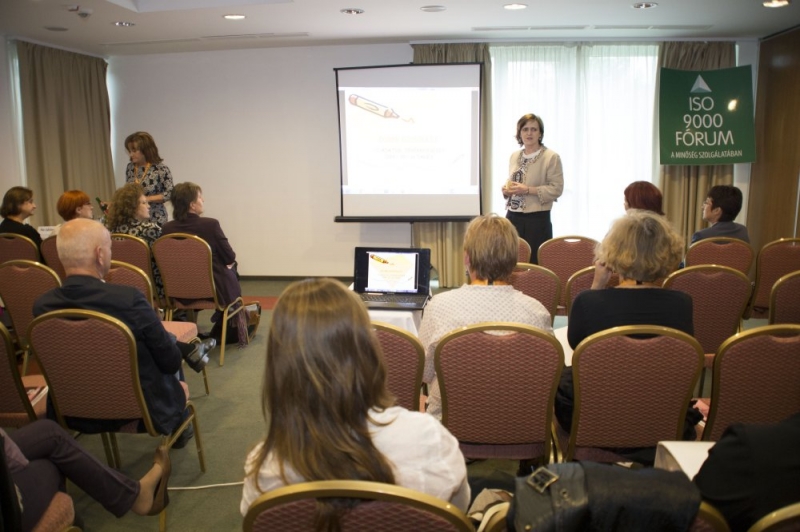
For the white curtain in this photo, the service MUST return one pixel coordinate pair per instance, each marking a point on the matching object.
(596, 102)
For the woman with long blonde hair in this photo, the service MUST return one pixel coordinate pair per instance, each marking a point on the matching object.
(329, 413)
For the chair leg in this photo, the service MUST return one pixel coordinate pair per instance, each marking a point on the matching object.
(162, 521)
(205, 380)
(115, 449)
(107, 449)
(198, 440)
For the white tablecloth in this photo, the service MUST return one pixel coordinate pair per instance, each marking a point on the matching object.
(561, 336)
(686, 456)
(405, 319)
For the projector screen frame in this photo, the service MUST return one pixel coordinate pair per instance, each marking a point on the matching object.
(399, 218)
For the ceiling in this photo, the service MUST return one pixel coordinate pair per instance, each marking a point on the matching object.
(162, 26)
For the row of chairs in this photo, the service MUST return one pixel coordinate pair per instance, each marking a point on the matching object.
(184, 261)
(498, 390)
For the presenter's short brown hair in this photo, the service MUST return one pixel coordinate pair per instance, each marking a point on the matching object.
(524, 120)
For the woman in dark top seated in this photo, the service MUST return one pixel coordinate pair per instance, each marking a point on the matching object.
(641, 247)
(18, 206)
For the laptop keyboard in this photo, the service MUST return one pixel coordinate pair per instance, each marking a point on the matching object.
(393, 298)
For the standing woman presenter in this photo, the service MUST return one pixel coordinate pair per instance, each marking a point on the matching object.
(535, 182)
(146, 169)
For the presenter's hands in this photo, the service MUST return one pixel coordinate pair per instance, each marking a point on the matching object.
(601, 275)
(516, 188)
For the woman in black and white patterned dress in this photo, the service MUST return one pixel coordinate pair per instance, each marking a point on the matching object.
(129, 213)
(146, 169)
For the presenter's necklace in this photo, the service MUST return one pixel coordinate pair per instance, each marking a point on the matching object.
(532, 158)
(138, 180)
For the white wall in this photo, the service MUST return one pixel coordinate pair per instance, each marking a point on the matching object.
(258, 130)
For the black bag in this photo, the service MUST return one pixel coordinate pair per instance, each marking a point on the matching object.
(552, 498)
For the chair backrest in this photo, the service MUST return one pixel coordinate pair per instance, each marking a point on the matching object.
(723, 251)
(133, 250)
(525, 252)
(756, 376)
(50, 256)
(582, 280)
(632, 391)
(130, 275)
(498, 383)
(719, 298)
(784, 301)
(405, 360)
(538, 282)
(384, 507)
(184, 261)
(775, 260)
(709, 519)
(90, 364)
(566, 255)
(21, 284)
(15, 408)
(17, 247)
(786, 519)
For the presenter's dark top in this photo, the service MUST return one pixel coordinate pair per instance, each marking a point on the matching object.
(12, 226)
(597, 310)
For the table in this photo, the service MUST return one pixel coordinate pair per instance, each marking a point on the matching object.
(408, 320)
(561, 336)
(686, 456)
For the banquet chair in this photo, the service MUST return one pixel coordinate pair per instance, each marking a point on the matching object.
(17, 247)
(784, 300)
(129, 275)
(538, 282)
(405, 360)
(384, 507)
(776, 259)
(582, 280)
(16, 409)
(756, 376)
(133, 250)
(722, 251)
(51, 258)
(22, 282)
(709, 519)
(786, 519)
(498, 385)
(69, 344)
(524, 253)
(184, 261)
(566, 255)
(630, 391)
(719, 298)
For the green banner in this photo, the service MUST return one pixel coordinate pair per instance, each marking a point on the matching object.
(706, 116)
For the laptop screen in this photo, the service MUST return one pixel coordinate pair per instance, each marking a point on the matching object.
(392, 270)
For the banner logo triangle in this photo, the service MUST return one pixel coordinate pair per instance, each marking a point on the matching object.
(700, 85)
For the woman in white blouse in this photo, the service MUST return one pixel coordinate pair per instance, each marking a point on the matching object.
(329, 414)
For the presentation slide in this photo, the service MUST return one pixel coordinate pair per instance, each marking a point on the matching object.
(409, 141)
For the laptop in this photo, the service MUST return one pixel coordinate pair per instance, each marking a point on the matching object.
(393, 278)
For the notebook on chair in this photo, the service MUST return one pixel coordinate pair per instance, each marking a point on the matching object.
(392, 278)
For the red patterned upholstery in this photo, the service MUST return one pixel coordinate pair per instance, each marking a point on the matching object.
(132, 250)
(632, 392)
(383, 507)
(566, 255)
(15, 408)
(719, 296)
(90, 363)
(538, 282)
(756, 376)
(784, 301)
(498, 383)
(775, 260)
(405, 360)
(730, 252)
(50, 256)
(21, 284)
(184, 261)
(59, 516)
(524, 253)
(17, 247)
(582, 280)
(130, 275)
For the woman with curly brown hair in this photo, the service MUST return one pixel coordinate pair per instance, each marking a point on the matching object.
(329, 414)
(129, 213)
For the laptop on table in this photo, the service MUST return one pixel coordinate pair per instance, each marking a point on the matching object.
(392, 278)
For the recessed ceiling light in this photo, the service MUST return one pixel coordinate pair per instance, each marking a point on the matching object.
(513, 7)
(55, 28)
(776, 3)
(233, 17)
(644, 5)
(352, 11)
(123, 24)
(432, 9)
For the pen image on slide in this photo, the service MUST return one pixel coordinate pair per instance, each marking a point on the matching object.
(378, 109)
(378, 259)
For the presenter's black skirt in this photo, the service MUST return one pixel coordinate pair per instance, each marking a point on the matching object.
(533, 227)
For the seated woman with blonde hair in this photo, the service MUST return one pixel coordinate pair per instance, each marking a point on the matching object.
(329, 414)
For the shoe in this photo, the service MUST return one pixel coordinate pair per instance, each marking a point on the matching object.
(161, 496)
(184, 438)
(206, 346)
